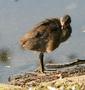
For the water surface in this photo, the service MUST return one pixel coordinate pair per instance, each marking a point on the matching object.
(17, 18)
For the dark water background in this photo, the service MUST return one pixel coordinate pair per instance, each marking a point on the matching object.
(18, 17)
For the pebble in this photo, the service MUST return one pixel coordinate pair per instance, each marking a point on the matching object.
(34, 79)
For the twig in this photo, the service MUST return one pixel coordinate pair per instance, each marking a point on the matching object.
(77, 62)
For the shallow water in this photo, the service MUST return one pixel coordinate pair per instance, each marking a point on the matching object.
(16, 18)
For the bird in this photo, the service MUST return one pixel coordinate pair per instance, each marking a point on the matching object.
(47, 36)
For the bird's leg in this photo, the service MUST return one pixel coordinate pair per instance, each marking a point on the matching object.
(41, 61)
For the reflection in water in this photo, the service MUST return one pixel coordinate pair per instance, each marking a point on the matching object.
(69, 58)
(5, 55)
(72, 56)
(15, 0)
(49, 60)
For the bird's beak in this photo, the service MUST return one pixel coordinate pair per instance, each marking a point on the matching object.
(62, 27)
(62, 23)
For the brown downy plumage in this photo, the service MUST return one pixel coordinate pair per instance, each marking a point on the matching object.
(66, 28)
(44, 38)
(47, 36)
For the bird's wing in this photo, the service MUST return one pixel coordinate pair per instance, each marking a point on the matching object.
(42, 31)
(36, 33)
(43, 27)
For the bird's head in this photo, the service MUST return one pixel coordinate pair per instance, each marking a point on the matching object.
(65, 21)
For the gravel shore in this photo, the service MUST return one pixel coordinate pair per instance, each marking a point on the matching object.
(35, 78)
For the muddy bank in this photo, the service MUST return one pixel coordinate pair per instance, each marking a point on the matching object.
(35, 78)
